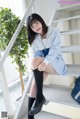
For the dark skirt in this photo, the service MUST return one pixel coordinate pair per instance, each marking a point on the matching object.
(45, 52)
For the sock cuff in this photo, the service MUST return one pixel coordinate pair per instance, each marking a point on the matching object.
(31, 98)
(36, 70)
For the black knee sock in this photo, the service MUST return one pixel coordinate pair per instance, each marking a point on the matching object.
(38, 75)
(30, 102)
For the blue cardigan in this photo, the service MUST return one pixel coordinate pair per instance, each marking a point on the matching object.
(54, 55)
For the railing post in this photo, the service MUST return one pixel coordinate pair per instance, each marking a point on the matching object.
(10, 107)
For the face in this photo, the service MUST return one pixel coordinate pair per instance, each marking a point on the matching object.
(37, 27)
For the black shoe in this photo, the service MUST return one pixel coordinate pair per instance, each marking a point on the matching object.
(36, 107)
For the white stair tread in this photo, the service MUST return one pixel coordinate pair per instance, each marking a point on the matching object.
(73, 70)
(59, 94)
(60, 97)
(71, 7)
(70, 49)
(64, 19)
(45, 115)
(70, 32)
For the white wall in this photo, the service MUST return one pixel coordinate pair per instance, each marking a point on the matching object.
(45, 8)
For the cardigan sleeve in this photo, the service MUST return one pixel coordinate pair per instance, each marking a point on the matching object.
(55, 49)
(36, 51)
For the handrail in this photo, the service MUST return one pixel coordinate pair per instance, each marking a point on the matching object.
(13, 39)
(8, 103)
(52, 17)
(19, 112)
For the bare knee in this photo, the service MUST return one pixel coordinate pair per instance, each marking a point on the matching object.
(36, 62)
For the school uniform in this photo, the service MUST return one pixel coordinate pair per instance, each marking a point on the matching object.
(50, 49)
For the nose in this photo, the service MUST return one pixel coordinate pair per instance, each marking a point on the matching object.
(36, 27)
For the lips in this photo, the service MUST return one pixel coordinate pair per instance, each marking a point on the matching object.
(38, 29)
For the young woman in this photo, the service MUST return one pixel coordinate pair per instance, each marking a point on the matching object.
(47, 59)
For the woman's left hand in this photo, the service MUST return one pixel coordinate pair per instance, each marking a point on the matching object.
(42, 67)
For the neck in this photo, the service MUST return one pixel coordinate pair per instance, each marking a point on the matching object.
(44, 35)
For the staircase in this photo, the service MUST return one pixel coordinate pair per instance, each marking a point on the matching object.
(63, 15)
(60, 104)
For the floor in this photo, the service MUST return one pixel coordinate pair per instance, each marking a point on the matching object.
(44, 115)
(15, 93)
(52, 93)
(57, 94)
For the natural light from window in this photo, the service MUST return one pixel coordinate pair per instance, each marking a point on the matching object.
(16, 6)
(10, 69)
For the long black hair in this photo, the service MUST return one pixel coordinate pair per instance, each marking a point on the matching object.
(32, 19)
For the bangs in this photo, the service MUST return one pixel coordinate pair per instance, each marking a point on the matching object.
(32, 22)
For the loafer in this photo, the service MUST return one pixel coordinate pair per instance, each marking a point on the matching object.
(36, 107)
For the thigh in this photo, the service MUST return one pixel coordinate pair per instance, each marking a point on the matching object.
(50, 70)
(45, 75)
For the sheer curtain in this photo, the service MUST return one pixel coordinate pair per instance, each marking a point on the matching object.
(17, 6)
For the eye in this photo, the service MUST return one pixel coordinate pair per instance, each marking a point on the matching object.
(32, 27)
(37, 22)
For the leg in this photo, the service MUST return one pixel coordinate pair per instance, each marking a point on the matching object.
(39, 92)
(33, 86)
(30, 103)
(31, 98)
(50, 70)
(36, 62)
(39, 84)
(38, 75)
(33, 95)
(33, 89)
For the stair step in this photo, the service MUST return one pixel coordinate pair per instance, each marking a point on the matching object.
(65, 19)
(71, 7)
(73, 70)
(57, 95)
(70, 49)
(70, 32)
(61, 102)
(45, 115)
